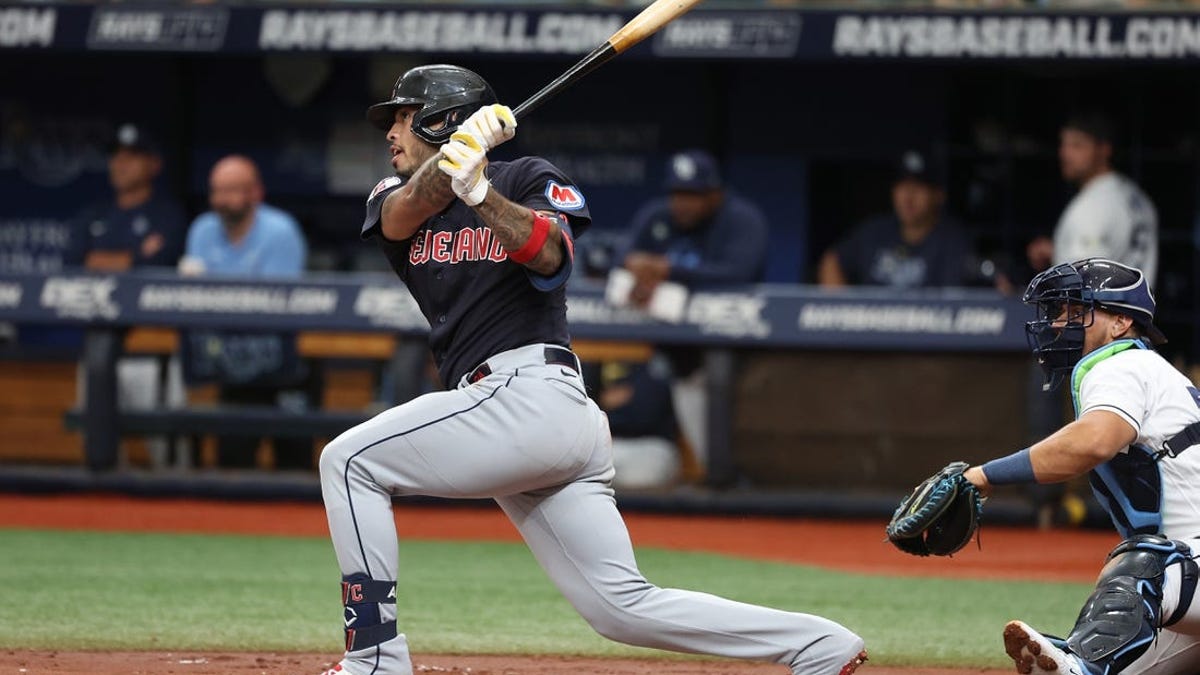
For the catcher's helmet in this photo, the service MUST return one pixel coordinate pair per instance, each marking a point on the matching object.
(1065, 297)
(446, 94)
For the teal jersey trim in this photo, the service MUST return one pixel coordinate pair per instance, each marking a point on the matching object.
(1088, 362)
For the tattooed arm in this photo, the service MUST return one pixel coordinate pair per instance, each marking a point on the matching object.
(425, 194)
(511, 225)
(533, 240)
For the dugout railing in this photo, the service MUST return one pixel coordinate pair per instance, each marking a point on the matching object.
(819, 402)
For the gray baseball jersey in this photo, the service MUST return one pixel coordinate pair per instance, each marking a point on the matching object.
(517, 425)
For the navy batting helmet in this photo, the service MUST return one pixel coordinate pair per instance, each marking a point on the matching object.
(447, 96)
(1065, 297)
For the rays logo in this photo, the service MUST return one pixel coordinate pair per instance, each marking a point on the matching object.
(564, 197)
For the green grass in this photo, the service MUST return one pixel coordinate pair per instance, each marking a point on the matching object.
(84, 590)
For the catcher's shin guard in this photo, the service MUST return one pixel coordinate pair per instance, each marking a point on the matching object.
(361, 597)
(1122, 616)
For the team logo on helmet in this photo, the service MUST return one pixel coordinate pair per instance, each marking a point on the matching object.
(564, 197)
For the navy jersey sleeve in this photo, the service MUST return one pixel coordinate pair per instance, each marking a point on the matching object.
(382, 189)
(538, 184)
(954, 248)
(856, 251)
(641, 225)
(172, 225)
(541, 186)
(736, 250)
(396, 252)
(80, 244)
(554, 281)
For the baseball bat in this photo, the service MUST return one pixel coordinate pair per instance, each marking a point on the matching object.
(648, 22)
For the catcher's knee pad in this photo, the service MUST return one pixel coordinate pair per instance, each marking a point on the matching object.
(1122, 616)
(361, 597)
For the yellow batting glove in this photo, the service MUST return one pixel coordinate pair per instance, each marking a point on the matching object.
(491, 125)
(464, 159)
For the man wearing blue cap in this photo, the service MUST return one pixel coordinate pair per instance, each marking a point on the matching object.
(139, 227)
(914, 245)
(699, 235)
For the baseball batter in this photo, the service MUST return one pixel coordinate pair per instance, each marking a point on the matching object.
(486, 249)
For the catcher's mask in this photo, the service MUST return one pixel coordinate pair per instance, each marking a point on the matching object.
(1066, 297)
(447, 96)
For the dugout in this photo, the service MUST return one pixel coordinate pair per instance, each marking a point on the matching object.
(806, 109)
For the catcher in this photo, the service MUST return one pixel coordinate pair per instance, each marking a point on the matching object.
(1136, 418)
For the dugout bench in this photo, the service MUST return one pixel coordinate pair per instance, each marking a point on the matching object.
(351, 393)
(104, 424)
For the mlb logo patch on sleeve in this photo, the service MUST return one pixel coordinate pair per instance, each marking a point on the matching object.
(384, 184)
(564, 197)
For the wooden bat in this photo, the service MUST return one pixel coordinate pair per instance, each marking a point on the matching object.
(648, 22)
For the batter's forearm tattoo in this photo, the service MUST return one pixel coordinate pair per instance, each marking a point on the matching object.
(512, 224)
(430, 185)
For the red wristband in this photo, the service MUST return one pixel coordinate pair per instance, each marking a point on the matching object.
(532, 245)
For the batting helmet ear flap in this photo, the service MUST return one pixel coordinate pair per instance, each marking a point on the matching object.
(446, 96)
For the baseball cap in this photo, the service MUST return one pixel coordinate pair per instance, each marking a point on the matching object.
(921, 166)
(692, 171)
(133, 137)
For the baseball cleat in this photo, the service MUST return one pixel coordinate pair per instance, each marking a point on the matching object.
(336, 670)
(1032, 652)
(855, 662)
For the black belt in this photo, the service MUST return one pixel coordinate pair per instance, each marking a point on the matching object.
(560, 356)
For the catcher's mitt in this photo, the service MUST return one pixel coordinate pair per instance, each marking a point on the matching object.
(940, 516)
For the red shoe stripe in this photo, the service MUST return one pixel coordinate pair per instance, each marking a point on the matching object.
(857, 661)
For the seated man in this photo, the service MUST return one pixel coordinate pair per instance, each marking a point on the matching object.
(915, 245)
(138, 226)
(637, 399)
(242, 236)
(701, 234)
